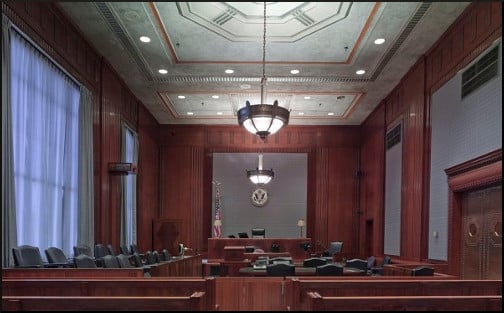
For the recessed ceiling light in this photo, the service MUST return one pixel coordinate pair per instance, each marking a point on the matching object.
(144, 39)
(215, 97)
(229, 71)
(294, 71)
(301, 113)
(181, 97)
(330, 113)
(190, 113)
(219, 113)
(163, 71)
(379, 41)
(307, 97)
(245, 86)
(360, 72)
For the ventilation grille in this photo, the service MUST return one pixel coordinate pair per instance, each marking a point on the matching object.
(393, 137)
(480, 72)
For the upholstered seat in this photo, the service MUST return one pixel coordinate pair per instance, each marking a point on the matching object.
(82, 249)
(27, 256)
(357, 263)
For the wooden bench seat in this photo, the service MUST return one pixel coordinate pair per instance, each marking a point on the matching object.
(316, 302)
(193, 302)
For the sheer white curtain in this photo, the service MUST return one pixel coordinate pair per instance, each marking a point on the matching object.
(45, 132)
(129, 199)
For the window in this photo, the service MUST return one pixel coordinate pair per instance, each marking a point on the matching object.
(129, 155)
(45, 136)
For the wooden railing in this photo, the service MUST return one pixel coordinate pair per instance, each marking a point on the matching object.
(316, 302)
(111, 287)
(297, 288)
(193, 302)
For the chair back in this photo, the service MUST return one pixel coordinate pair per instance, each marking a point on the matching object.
(422, 271)
(258, 233)
(56, 255)
(27, 256)
(334, 247)
(280, 259)
(314, 262)
(386, 260)
(137, 260)
(110, 261)
(371, 262)
(280, 269)
(84, 261)
(329, 270)
(124, 260)
(165, 255)
(100, 250)
(357, 263)
(82, 249)
(124, 250)
(156, 256)
(150, 258)
(111, 249)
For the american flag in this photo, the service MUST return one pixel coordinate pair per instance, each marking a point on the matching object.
(218, 212)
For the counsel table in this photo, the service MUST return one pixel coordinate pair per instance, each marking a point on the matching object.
(300, 271)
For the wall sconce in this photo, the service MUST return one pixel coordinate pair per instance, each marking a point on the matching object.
(301, 224)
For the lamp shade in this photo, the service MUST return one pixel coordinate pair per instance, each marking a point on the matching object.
(259, 176)
(263, 119)
(217, 223)
(301, 223)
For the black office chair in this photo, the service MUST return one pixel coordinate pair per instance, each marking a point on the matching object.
(137, 260)
(280, 269)
(258, 233)
(314, 262)
(82, 249)
(100, 250)
(124, 260)
(422, 271)
(156, 256)
(27, 256)
(57, 257)
(165, 255)
(84, 261)
(150, 258)
(110, 261)
(329, 270)
(110, 249)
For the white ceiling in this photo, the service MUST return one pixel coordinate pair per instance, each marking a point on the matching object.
(326, 41)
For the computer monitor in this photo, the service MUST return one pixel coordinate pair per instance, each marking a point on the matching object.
(243, 235)
(258, 233)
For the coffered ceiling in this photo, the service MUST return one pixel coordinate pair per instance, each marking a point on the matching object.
(327, 42)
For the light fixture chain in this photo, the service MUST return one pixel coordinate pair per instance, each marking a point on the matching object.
(263, 80)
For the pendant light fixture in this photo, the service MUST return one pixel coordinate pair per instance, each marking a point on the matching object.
(259, 176)
(263, 119)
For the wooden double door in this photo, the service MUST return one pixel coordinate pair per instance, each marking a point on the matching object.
(481, 250)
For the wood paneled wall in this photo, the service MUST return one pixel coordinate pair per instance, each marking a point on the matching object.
(174, 177)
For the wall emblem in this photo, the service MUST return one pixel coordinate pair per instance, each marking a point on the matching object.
(259, 197)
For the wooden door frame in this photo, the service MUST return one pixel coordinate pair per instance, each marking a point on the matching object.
(481, 172)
